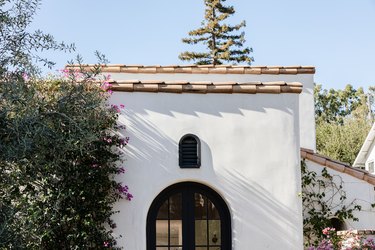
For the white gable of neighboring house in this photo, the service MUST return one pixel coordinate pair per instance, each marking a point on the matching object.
(366, 156)
(358, 185)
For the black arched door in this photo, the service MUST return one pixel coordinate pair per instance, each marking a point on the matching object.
(188, 216)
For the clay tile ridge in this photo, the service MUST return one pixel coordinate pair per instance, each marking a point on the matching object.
(200, 69)
(205, 87)
(337, 166)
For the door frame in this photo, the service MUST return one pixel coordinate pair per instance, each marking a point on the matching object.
(188, 189)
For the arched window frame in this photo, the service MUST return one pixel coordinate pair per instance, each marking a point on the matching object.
(225, 217)
(198, 153)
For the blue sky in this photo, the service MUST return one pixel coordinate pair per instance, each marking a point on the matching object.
(335, 36)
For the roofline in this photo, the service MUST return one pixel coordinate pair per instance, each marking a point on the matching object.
(205, 87)
(359, 160)
(199, 69)
(338, 166)
(357, 232)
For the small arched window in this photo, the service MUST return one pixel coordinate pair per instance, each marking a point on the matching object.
(189, 152)
(338, 224)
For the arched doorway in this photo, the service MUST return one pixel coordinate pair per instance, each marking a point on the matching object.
(188, 216)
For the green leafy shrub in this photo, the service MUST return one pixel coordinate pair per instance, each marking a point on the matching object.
(59, 153)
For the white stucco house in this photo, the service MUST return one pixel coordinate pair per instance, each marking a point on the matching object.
(366, 156)
(214, 156)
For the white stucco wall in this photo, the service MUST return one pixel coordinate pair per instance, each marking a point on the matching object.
(370, 157)
(367, 153)
(250, 156)
(306, 98)
(356, 190)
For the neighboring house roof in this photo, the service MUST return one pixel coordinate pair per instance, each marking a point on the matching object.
(203, 87)
(365, 232)
(202, 69)
(361, 158)
(337, 166)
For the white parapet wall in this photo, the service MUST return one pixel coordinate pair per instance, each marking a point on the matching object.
(306, 98)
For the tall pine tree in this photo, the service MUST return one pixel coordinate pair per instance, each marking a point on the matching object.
(222, 42)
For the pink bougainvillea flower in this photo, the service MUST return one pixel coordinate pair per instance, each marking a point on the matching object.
(327, 230)
(129, 196)
(107, 139)
(123, 141)
(25, 77)
(123, 189)
(121, 170)
(116, 108)
(106, 85)
(121, 127)
(107, 77)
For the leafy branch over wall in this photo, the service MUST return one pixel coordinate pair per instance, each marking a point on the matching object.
(323, 198)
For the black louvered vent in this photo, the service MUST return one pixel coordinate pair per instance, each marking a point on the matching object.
(189, 152)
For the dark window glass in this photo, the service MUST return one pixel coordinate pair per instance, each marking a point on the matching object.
(175, 207)
(163, 211)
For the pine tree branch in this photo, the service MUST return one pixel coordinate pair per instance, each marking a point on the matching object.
(188, 56)
(200, 31)
(223, 16)
(218, 37)
(194, 40)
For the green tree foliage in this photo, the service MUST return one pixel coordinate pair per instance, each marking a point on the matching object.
(333, 106)
(59, 153)
(343, 120)
(18, 46)
(60, 147)
(342, 142)
(223, 44)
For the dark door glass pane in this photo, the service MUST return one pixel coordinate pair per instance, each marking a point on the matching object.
(200, 208)
(214, 229)
(176, 232)
(201, 232)
(175, 207)
(213, 213)
(163, 211)
(161, 232)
